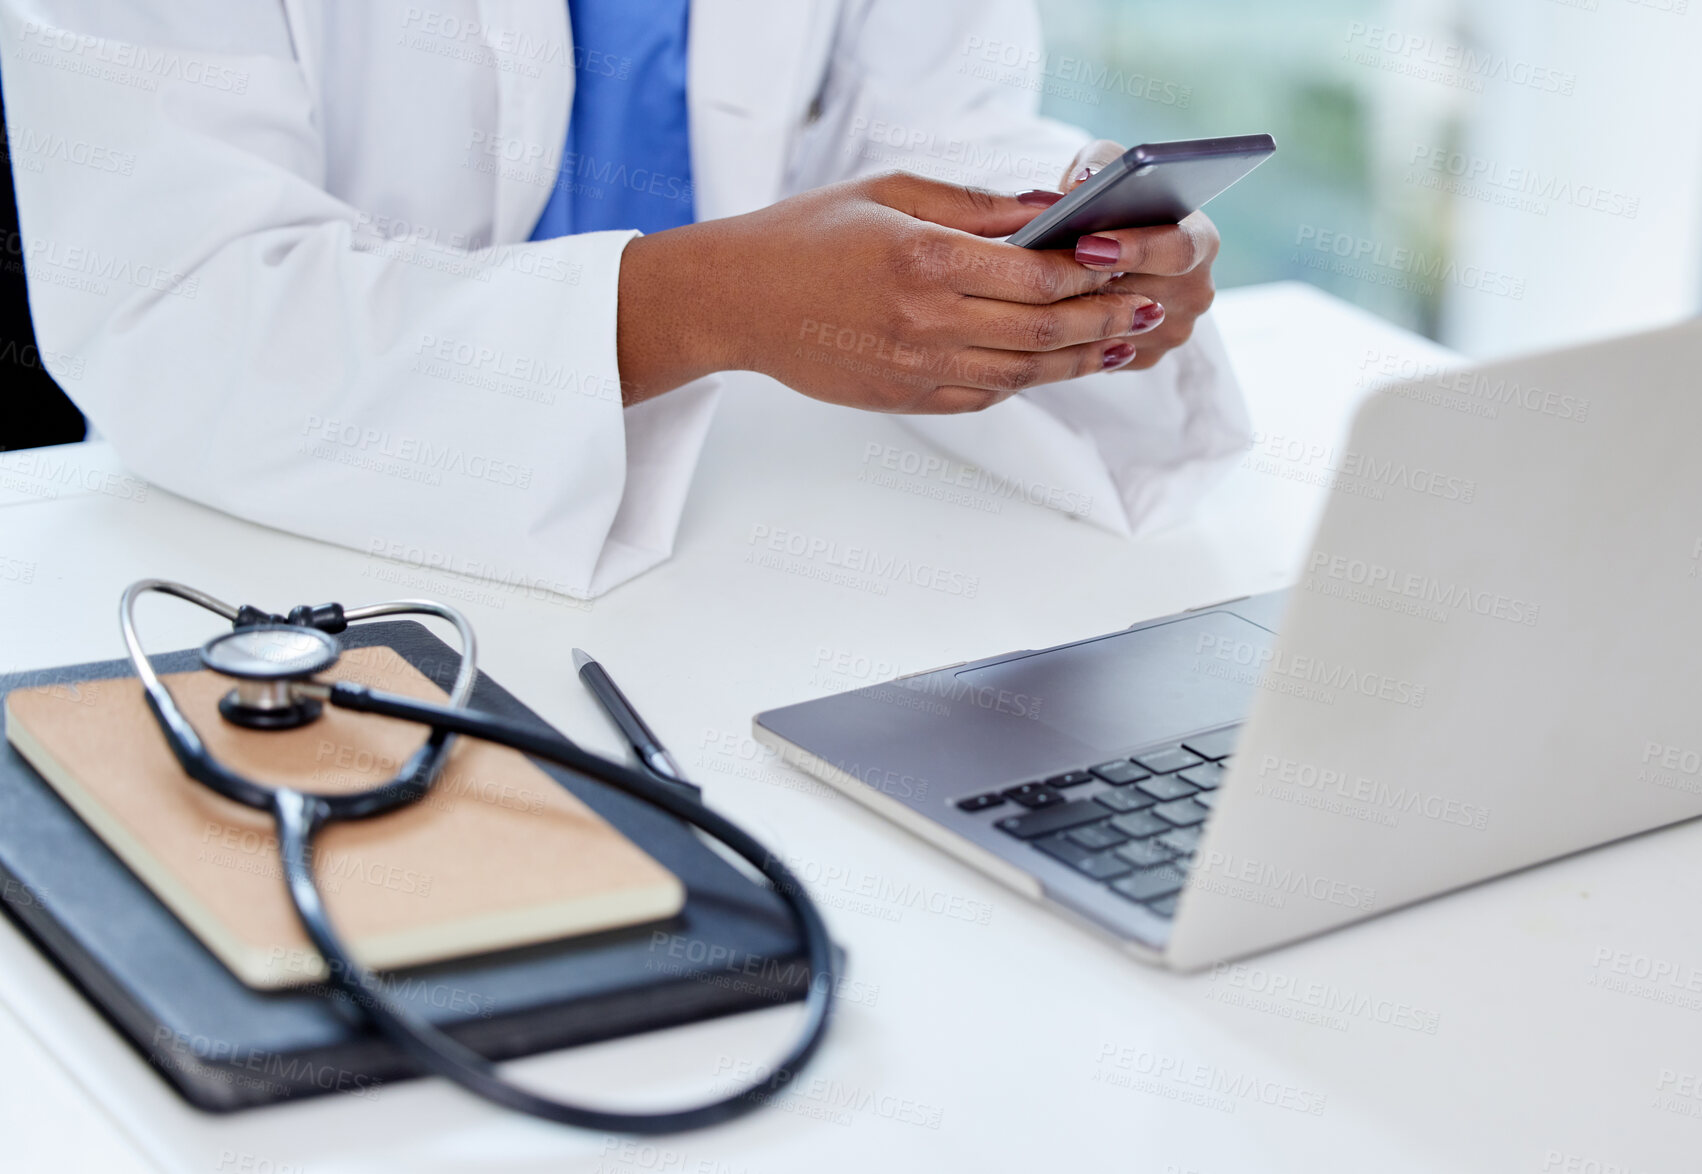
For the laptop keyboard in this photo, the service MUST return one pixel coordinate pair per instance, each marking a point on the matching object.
(1132, 824)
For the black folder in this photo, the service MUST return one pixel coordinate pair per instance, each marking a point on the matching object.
(224, 1046)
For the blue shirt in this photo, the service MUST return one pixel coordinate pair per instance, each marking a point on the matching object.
(627, 160)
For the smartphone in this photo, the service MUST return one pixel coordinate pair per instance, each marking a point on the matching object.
(1157, 183)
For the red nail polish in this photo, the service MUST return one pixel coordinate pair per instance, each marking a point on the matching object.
(1082, 176)
(1147, 317)
(1039, 199)
(1098, 250)
(1118, 355)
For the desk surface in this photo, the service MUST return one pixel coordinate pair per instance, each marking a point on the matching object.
(1546, 1022)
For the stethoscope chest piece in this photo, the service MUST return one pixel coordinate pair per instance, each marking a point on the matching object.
(265, 660)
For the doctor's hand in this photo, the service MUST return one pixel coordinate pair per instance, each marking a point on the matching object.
(1170, 264)
(885, 294)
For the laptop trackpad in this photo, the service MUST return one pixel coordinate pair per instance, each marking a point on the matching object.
(1122, 691)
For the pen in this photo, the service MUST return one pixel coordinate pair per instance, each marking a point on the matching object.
(650, 750)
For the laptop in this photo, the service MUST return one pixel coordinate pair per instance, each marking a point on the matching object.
(1492, 658)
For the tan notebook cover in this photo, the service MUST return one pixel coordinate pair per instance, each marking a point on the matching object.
(497, 855)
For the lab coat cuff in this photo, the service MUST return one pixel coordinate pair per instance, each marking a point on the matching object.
(1131, 452)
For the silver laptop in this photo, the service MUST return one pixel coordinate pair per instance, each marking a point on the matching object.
(1493, 658)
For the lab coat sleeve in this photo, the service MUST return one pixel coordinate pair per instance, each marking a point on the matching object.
(956, 97)
(246, 339)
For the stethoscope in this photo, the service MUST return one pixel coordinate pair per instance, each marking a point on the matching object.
(273, 659)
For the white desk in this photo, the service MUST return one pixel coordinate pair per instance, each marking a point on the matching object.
(1018, 1042)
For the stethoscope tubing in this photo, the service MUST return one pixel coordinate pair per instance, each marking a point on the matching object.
(300, 816)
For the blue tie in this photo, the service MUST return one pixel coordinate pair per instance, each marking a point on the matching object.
(627, 160)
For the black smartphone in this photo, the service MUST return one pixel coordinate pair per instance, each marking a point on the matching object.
(1156, 183)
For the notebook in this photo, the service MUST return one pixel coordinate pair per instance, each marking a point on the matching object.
(224, 1046)
(497, 856)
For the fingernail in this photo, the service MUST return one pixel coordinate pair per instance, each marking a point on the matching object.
(1118, 355)
(1098, 250)
(1147, 317)
(1039, 199)
(1082, 176)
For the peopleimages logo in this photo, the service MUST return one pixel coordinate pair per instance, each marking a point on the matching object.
(1555, 1162)
(1225, 872)
(1064, 76)
(824, 1098)
(882, 459)
(1381, 473)
(87, 268)
(1271, 664)
(518, 376)
(890, 898)
(1472, 175)
(722, 966)
(1355, 251)
(1679, 1092)
(1677, 768)
(1679, 976)
(139, 66)
(32, 149)
(1284, 994)
(44, 472)
(772, 544)
(415, 454)
(477, 571)
(1420, 587)
(1481, 393)
(909, 692)
(1314, 786)
(1424, 56)
(511, 50)
(911, 144)
(240, 1062)
(1147, 1070)
(1672, 757)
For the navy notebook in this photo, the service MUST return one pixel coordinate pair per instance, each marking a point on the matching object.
(225, 1046)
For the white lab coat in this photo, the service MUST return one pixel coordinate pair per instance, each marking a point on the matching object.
(284, 241)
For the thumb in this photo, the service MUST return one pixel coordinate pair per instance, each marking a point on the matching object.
(1088, 160)
(951, 205)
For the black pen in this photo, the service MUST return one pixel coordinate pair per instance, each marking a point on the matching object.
(650, 750)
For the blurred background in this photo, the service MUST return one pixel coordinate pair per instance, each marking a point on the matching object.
(1500, 176)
